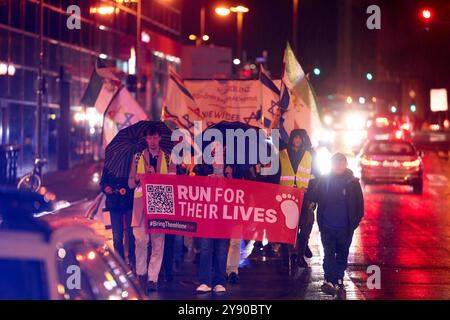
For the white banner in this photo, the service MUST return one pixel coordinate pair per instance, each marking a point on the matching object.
(228, 100)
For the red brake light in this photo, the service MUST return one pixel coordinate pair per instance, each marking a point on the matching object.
(406, 126)
(369, 162)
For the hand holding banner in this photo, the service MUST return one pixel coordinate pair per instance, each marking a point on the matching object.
(209, 207)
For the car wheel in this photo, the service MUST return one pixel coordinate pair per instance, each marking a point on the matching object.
(418, 188)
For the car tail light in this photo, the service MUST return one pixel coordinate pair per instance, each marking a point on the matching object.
(369, 162)
(382, 121)
(414, 163)
(398, 134)
(406, 126)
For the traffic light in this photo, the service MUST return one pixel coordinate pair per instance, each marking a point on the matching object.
(412, 107)
(316, 71)
(426, 14)
(369, 76)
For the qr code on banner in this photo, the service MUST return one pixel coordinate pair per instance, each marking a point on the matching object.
(160, 199)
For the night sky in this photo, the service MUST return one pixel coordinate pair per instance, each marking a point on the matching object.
(403, 47)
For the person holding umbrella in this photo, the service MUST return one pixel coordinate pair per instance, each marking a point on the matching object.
(150, 161)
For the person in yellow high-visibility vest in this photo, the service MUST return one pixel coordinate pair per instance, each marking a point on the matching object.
(151, 160)
(296, 162)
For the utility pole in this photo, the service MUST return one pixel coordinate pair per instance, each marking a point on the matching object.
(344, 46)
(40, 84)
(199, 40)
(240, 23)
(295, 26)
(138, 45)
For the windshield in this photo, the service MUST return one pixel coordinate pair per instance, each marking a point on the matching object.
(390, 148)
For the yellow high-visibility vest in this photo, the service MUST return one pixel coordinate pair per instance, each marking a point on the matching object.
(141, 169)
(303, 175)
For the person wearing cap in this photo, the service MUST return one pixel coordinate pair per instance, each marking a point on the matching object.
(340, 209)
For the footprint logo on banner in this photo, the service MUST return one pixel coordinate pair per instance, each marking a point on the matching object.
(289, 208)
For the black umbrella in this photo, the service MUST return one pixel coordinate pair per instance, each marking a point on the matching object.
(120, 151)
(223, 126)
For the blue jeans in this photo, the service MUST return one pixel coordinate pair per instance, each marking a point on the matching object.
(117, 226)
(213, 261)
(336, 245)
(173, 253)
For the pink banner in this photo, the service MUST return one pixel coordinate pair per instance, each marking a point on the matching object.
(212, 207)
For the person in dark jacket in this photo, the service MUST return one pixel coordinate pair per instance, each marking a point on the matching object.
(119, 203)
(340, 209)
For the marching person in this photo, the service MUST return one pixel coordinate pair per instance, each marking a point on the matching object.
(174, 244)
(151, 160)
(119, 203)
(340, 210)
(234, 251)
(213, 252)
(295, 171)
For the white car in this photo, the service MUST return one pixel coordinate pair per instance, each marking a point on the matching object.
(68, 263)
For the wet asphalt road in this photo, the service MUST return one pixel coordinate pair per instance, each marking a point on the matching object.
(407, 236)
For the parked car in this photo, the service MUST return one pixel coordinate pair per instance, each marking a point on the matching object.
(37, 262)
(391, 162)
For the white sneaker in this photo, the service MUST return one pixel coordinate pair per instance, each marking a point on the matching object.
(219, 289)
(203, 288)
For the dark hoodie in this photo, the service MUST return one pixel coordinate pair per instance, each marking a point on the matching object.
(296, 156)
(340, 201)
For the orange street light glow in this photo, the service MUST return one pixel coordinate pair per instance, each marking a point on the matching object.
(205, 37)
(222, 11)
(104, 10)
(240, 9)
(192, 37)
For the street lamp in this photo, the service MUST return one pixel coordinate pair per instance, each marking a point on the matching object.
(222, 11)
(103, 10)
(239, 10)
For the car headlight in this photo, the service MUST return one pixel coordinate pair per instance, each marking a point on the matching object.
(328, 120)
(323, 160)
(355, 122)
(325, 136)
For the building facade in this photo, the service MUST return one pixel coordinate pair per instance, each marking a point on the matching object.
(139, 39)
